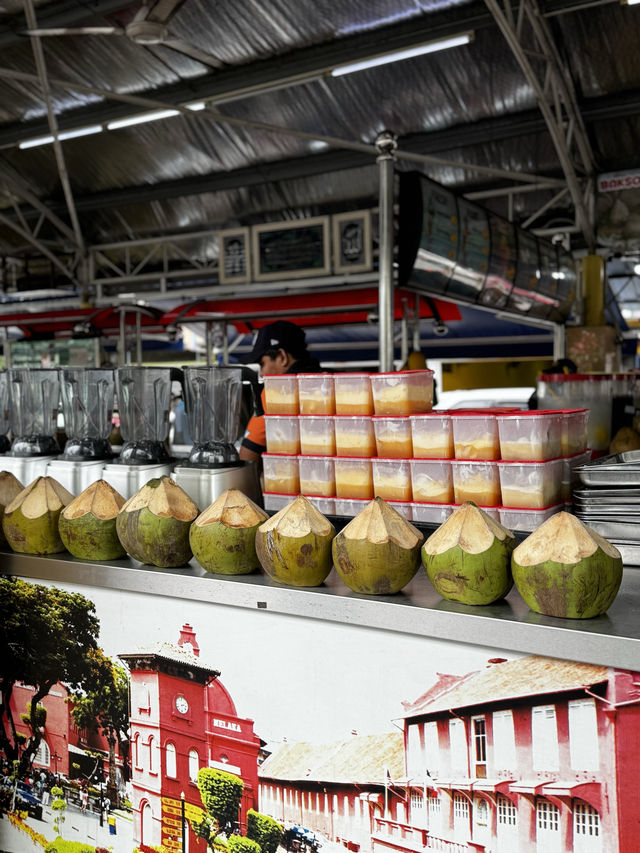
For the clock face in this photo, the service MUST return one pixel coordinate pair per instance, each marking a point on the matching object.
(182, 705)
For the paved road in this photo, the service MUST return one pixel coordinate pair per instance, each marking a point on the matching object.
(77, 827)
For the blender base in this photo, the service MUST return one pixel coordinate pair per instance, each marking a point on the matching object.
(127, 479)
(204, 485)
(26, 468)
(75, 475)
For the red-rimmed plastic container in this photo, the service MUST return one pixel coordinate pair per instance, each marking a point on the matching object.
(317, 437)
(432, 435)
(354, 435)
(431, 513)
(476, 480)
(281, 474)
(531, 436)
(393, 436)
(281, 394)
(431, 480)
(354, 477)
(575, 428)
(392, 479)
(527, 520)
(406, 392)
(317, 476)
(327, 506)
(475, 435)
(349, 507)
(282, 434)
(353, 394)
(581, 390)
(531, 485)
(274, 502)
(316, 394)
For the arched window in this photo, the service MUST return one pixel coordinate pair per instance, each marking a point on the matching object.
(151, 756)
(170, 760)
(146, 827)
(194, 764)
(43, 754)
(135, 747)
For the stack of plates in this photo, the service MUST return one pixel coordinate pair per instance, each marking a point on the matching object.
(609, 497)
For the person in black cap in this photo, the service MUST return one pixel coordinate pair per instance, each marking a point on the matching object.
(279, 347)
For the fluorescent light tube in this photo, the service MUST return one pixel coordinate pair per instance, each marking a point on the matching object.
(196, 106)
(398, 55)
(65, 134)
(141, 118)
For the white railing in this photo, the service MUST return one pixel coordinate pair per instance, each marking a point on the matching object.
(414, 838)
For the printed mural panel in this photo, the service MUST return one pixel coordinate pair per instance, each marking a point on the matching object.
(349, 737)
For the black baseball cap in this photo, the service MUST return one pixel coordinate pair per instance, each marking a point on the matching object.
(278, 335)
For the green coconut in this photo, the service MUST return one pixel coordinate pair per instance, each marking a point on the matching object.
(10, 487)
(468, 558)
(153, 525)
(294, 545)
(88, 524)
(30, 521)
(223, 537)
(565, 568)
(378, 552)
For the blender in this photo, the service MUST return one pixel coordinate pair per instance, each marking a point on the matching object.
(33, 416)
(144, 399)
(5, 444)
(213, 399)
(87, 404)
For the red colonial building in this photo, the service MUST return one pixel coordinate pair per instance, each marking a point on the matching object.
(534, 755)
(63, 746)
(182, 718)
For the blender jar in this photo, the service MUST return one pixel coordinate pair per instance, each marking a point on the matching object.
(87, 403)
(144, 399)
(33, 414)
(213, 399)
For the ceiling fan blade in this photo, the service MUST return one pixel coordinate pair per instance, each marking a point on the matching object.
(163, 11)
(193, 52)
(75, 31)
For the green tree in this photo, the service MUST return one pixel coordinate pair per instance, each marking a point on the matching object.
(221, 794)
(47, 635)
(58, 806)
(105, 707)
(242, 844)
(263, 829)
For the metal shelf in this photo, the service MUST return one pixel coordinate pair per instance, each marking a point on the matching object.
(612, 639)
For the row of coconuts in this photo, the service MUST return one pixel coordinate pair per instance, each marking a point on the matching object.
(562, 569)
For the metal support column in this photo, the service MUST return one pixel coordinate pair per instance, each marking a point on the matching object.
(138, 338)
(559, 342)
(386, 144)
(208, 342)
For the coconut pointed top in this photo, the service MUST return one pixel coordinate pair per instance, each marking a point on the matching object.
(298, 519)
(468, 527)
(379, 523)
(99, 499)
(563, 538)
(10, 487)
(164, 498)
(234, 509)
(43, 495)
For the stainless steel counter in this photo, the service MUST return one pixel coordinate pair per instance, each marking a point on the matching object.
(612, 639)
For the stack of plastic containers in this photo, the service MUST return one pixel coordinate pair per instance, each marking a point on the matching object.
(343, 438)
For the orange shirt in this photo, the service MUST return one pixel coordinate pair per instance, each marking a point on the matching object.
(255, 435)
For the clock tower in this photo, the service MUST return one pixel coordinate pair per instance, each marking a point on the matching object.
(182, 719)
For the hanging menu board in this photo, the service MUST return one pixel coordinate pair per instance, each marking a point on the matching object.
(473, 256)
(502, 262)
(296, 249)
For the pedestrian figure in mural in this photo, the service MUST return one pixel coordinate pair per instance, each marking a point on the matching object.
(84, 799)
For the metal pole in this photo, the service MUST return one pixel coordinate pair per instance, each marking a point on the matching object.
(386, 144)
(138, 337)
(208, 342)
(123, 347)
(559, 341)
(6, 348)
(184, 833)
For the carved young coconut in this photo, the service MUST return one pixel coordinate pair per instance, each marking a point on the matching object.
(294, 545)
(378, 552)
(153, 525)
(223, 537)
(30, 521)
(565, 568)
(468, 558)
(88, 524)
(10, 487)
